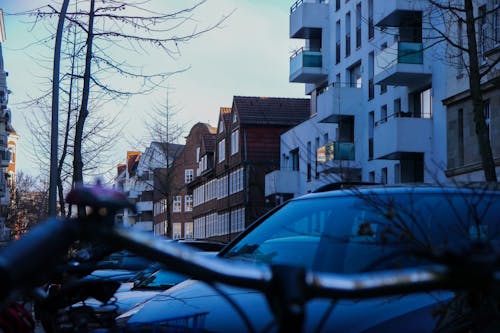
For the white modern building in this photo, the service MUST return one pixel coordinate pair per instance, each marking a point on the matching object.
(377, 84)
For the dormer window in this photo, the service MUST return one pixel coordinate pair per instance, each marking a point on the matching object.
(221, 126)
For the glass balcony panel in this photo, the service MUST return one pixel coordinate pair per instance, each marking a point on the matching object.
(410, 53)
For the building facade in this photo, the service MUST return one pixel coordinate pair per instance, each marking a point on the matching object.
(182, 173)
(230, 192)
(6, 145)
(377, 84)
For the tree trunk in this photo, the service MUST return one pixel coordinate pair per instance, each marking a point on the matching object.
(82, 116)
(482, 132)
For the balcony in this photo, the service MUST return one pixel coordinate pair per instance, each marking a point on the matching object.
(143, 226)
(337, 157)
(5, 156)
(306, 66)
(402, 64)
(307, 18)
(394, 12)
(398, 137)
(144, 206)
(282, 181)
(338, 101)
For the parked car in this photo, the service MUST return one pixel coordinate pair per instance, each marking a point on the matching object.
(136, 288)
(343, 231)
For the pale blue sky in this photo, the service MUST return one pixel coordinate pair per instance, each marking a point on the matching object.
(248, 57)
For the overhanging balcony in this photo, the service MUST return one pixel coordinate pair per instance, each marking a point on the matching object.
(395, 12)
(307, 18)
(337, 157)
(144, 206)
(282, 181)
(306, 66)
(402, 64)
(399, 138)
(339, 101)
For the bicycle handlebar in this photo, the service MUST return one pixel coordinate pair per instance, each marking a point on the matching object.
(286, 287)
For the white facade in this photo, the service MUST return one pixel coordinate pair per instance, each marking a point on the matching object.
(376, 84)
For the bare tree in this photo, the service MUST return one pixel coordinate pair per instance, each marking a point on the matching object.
(28, 204)
(165, 129)
(108, 33)
(444, 17)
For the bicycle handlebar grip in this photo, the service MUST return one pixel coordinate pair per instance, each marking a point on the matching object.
(24, 263)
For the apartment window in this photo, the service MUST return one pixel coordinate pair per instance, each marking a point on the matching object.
(383, 176)
(355, 76)
(460, 135)
(487, 116)
(371, 176)
(397, 173)
(188, 230)
(222, 150)
(496, 23)
(337, 5)
(358, 25)
(188, 176)
(235, 136)
(337, 42)
(426, 103)
(371, 26)
(348, 34)
(177, 204)
(397, 107)
(482, 32)
(294, 154)
(383, 113)
(309, 158)
(188, 203)
(460, 36)
(221, 126)
(383, 89)
(197, 154)
(176, 230)
(234, 118)
(316, 146)
(371, 73)
(371, 125)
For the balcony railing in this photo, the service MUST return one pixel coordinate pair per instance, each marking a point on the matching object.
(305, 58)
(298, 3)
(399, 53)
(335, 151)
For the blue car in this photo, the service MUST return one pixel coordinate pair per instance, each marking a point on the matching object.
(353, 230)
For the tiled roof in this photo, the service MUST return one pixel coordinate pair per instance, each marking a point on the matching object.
(173, 148)
(271, 110)
(209, 142)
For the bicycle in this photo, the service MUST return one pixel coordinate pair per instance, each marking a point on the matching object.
(287, 288)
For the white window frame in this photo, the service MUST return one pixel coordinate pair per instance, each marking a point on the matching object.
(176, 230)
(222, 150)
(235, 142)
(188, 175)
(177, 204)
(188, 203)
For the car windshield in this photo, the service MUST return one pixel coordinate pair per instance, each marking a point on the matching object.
(355, 233)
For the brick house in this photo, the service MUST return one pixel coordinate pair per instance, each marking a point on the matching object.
(247, 146)
(179, 201)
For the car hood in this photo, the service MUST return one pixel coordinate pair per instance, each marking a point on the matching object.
(194, 304)
(123, 301)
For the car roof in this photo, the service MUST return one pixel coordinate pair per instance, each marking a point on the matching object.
(374, 189)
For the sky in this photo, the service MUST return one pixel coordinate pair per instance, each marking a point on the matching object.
(247, 56)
